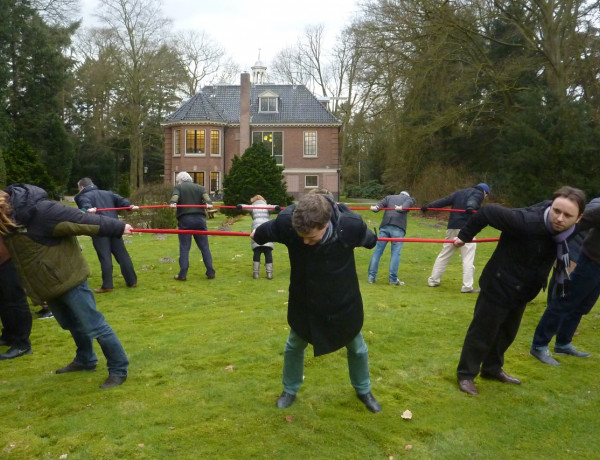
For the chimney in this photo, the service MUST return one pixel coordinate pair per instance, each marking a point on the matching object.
(244, 112)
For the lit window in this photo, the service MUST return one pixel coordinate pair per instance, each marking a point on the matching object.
(195, 141)
(215, 182)
(310, 143)
(268, 104)
(273, 141)
(215, 142)
(311, 181)
(177, 142)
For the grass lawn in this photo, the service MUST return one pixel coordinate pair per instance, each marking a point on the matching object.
(206, 359)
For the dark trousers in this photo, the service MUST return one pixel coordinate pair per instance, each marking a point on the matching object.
(106, 247)
(193, 222)
(266, 250)
(492, 330)
(14, 309)
(563, 314)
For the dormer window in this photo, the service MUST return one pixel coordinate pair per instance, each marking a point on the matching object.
(268, 102)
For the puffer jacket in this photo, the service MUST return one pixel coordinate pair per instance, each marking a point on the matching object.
(44, 249)
(468, 198)
(259, 217)
(324, 305)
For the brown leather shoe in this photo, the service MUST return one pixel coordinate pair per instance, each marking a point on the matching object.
(102, 290)
(179, 278)
(502, 377)
(468, 386)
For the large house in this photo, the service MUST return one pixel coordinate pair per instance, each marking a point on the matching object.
(221, 121)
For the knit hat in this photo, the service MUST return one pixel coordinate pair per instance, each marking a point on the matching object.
(485, 187)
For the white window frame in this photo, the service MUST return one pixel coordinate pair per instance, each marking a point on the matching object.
(306, 141)
(195, 154)
(177, 142)
(306, 181)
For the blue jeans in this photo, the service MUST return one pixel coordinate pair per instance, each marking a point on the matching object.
(563, 314)
(76, 312)
(193, 222)
(293, 364)
(387, 231)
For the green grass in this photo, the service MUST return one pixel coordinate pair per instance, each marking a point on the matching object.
(206, 360)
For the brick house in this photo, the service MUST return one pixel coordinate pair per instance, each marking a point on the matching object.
(221, 121)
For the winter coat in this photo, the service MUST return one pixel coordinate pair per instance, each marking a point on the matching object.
(259, 217)
(393, 217)
(44, 249)
(190, 193)
(325, 305)
(591, 222)
(519, 267)
(92, 197)
(468, 198)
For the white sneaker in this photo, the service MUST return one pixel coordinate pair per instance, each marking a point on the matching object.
(397, 283)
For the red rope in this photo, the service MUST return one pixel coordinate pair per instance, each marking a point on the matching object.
(224, 233)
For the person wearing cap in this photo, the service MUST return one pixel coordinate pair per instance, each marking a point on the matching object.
(467, 200)
(393, 225)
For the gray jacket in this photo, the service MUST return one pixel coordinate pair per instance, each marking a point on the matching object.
(259, 217)
(392, 217)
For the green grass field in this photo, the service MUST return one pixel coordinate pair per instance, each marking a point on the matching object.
(206, 359)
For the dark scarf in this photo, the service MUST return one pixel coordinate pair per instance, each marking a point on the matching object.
(562, 253)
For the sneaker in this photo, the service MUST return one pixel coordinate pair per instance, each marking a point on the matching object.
(113, 381)
(397, 283)
(370, 280)
(570, 350)
(15, 352)
(45, 315)
(544, 356)
(471, 291)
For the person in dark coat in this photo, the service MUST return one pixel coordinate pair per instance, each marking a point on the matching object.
(564, 312)
(40, 235)
(532, 240)
(191, 216)
(469, 200)
(89, 199)
(325, 306)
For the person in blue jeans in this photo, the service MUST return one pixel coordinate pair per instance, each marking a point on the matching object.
(564, 312)
(393, 225)
(40, 235)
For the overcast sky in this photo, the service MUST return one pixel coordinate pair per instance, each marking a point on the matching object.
(244, 26)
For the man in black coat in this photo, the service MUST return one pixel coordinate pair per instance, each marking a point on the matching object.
(89, 199)
(325, 305)
(532, 239)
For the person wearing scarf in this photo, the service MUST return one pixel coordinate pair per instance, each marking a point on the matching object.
(325, 306)
(582, 289)
(531, 240)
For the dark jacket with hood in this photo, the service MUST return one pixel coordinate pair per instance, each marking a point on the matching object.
(44, 248)
(519, 267)
(92, 197)
(468, 199)
(325, 305)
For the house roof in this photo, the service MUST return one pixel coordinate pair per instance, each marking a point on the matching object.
(221, 104)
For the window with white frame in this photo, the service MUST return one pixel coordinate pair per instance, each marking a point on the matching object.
(195, 142)
(215, 142)
(311, 181)
(177, 142)
(310, 143)
(267, 104)
(273, 141)
(215, 182)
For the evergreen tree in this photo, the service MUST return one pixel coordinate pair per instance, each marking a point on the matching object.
(255, 173)
(24, 166)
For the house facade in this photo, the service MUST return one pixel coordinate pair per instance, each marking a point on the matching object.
(206, 132)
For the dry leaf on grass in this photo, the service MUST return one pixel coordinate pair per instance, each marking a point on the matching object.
(289, 418)
(406, 415)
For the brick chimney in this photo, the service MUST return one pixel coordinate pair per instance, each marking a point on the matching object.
(244, 112)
